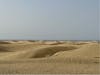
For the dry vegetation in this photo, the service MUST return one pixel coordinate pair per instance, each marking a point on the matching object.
(49, 57)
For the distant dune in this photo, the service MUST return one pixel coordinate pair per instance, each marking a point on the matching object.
(49, 57)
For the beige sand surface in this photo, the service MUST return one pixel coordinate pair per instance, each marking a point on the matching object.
(49, 57)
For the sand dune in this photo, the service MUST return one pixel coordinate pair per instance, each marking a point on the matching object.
(91, 50)
(38, 52)
(53, 57)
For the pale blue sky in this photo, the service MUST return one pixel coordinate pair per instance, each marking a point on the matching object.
(49, 19)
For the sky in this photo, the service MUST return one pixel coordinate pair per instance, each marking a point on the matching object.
(49, 19)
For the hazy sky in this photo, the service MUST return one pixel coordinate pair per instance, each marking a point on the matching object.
(49, 19)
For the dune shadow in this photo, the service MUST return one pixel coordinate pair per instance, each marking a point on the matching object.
(96, 57)
(4, 42)
(49, 51)
(31, 40)
(97, 62)
(4, 49)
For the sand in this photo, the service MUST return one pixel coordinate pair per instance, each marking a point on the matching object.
(49, 57)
